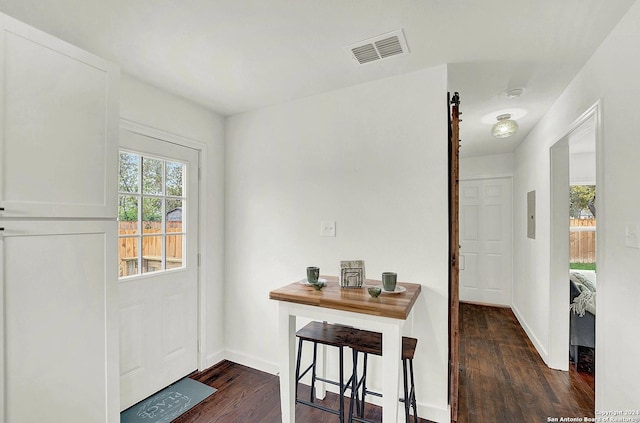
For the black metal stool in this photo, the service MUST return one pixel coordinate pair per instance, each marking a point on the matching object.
(325, 334)
(367, 342)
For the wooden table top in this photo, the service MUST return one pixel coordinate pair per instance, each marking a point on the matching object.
(358, 300)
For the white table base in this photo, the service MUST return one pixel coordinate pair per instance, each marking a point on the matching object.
(390, 328)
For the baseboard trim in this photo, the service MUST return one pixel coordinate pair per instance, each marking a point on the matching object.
(485, 304)
(534, 340)
(213, 359)
(251, 361)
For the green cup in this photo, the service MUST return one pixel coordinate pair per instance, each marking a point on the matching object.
(389, 280)
(374, 291)
(313, 273)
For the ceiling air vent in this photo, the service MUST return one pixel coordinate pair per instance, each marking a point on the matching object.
(380, 47)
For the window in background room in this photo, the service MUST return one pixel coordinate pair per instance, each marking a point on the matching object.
(582, 225)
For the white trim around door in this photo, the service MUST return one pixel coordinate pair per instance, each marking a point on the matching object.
(203, 360)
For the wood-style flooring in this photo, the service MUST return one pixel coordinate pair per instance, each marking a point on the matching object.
(249, 395)
(502, 379)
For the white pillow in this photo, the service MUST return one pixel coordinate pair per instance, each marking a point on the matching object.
(580, 279)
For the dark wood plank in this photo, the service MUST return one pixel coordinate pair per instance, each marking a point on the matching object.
(503, 378)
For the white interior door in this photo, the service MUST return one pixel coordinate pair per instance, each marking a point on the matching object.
(158, 265)
(486, 241)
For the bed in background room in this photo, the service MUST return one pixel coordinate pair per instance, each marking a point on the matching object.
(582, 332)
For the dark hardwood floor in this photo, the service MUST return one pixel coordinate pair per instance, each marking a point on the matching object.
(502, 379)
(249, 395)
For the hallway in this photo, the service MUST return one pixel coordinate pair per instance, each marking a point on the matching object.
(503, 379)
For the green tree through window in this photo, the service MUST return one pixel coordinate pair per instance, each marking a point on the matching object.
(580, 197)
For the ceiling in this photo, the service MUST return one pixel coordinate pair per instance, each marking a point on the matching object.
(238, 55)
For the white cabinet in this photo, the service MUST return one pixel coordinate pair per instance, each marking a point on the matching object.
(59, 325)
(58, 265)
(59, 120)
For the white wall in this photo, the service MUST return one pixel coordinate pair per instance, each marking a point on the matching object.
(490, 166)
(150, 106)
(611, 75)
(372, 157)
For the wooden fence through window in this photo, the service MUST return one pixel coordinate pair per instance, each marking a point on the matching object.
(151, 245)
(582, 241)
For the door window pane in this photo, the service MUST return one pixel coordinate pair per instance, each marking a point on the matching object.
(174, 215)
(152, 176)
(129, 178)
(175, 172)
(174, 251)
(128, 214)
(151, 254)
(128, 256)
(151, 215)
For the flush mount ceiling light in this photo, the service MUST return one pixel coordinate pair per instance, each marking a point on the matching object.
(516, 113)
(504, 127)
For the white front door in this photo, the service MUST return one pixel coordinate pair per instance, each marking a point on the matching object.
(158, 264)
(486, 241)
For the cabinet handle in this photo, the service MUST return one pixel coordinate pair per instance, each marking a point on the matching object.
(1, 208)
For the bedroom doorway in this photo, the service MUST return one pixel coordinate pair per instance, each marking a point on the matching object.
(582, 246)
(574, 164)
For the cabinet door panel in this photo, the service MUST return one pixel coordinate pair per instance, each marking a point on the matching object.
(58, 147)
(60, 325)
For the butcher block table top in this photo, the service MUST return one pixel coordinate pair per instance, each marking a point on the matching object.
(357, 300)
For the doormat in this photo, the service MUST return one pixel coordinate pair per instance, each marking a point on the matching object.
(168, 404)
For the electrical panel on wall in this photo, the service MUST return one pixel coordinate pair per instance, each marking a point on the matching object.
(531, 214)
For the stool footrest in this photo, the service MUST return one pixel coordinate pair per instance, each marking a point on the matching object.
(347, 384)
(318, 406)
(360, 419)
(375, 394)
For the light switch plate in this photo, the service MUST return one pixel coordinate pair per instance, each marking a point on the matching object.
(328, 228)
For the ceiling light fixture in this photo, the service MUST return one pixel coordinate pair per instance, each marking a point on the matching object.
(504, 127)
